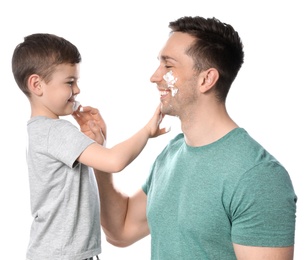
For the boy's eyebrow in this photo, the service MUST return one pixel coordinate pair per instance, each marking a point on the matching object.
(71, 78)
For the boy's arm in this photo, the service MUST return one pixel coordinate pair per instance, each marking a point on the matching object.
(118, 157)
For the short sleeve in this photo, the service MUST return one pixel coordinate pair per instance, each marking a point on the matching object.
(66, 142)
(263, 207)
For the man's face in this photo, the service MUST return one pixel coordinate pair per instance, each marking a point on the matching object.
(175, 77)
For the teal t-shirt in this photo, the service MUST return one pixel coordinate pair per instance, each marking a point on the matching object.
(200, 200)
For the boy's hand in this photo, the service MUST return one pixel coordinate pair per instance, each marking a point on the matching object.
(153, 125)
(91, 123)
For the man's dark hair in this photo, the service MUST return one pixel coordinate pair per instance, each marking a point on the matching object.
(217, 45)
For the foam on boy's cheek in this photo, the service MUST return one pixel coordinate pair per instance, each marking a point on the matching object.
(76, 105)
(171, 80)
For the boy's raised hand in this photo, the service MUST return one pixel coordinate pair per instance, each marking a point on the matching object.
(154, 124)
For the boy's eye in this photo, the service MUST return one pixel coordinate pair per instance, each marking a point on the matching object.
(70, 83)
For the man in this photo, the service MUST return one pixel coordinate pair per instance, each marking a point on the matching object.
(213, 192)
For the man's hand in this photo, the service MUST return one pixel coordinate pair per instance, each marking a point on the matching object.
(91, 123)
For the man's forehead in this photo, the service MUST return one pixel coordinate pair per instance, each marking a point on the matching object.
(175, 47)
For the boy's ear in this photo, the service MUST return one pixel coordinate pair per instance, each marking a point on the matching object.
(34, 85)
(208, 79)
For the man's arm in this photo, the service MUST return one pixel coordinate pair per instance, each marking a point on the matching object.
(123, 218)
(268, 253)
(91, 123)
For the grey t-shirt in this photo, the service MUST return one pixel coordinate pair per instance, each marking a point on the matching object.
(64, 194)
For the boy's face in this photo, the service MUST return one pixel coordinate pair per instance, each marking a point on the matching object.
(58, 95)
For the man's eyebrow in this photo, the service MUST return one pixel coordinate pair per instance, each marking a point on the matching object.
(165, 58)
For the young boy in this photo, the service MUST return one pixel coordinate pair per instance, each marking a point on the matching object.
(63, 189)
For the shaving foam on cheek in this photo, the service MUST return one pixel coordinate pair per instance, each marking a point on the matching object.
(171, 80)
(76, 105)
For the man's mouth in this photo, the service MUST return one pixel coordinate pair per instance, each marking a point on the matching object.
(163, 92)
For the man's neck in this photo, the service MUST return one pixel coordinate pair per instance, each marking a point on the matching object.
(205, 128)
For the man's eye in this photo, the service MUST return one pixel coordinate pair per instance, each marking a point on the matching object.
(168, 67)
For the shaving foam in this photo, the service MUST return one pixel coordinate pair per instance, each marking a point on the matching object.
(171, 80)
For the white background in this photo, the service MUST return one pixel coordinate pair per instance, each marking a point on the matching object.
(119, 42)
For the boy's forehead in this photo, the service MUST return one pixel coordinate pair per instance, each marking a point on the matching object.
(68, 69)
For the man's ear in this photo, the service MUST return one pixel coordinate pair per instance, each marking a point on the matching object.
(34, 85)
(208, 79)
